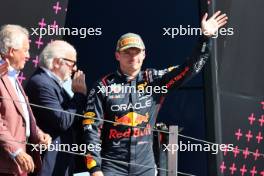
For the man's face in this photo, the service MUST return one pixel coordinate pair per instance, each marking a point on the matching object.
(18, 57)
(130, 59)
(68, 66)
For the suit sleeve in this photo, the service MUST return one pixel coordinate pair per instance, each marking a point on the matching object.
(176, 76)
(58, 119)
(92, 125)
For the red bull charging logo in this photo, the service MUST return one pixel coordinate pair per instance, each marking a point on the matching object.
(132, 119)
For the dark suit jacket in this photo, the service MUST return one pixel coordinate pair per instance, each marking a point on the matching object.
(45, 91)
(13, 128)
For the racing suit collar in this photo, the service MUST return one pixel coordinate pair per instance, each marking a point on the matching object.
(125, 77)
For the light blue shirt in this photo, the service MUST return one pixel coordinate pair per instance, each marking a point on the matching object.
(66, 85)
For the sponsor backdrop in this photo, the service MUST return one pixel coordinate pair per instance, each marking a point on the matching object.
(34, 15)
(237, 90)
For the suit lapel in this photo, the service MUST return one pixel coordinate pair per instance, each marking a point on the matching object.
(12, 92)
(26, 99)
(32, 121)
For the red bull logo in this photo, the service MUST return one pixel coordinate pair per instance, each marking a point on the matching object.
(132, 119)
(135, 132)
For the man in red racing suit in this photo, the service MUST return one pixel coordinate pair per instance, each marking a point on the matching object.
(129, 100)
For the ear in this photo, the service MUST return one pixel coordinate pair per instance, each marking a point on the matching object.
(117, 56)
(144, 54)
(10, 52)
(56, 63)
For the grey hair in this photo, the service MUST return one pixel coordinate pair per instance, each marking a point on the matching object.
(11, 36)
(55, 49)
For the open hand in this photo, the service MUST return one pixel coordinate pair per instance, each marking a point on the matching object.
(211, 26)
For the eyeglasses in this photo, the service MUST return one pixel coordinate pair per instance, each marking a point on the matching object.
(73, 62)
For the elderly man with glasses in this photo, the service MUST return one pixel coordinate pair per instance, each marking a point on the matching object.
(46, 88)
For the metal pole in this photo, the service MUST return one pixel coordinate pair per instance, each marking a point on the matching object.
(173, 155)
